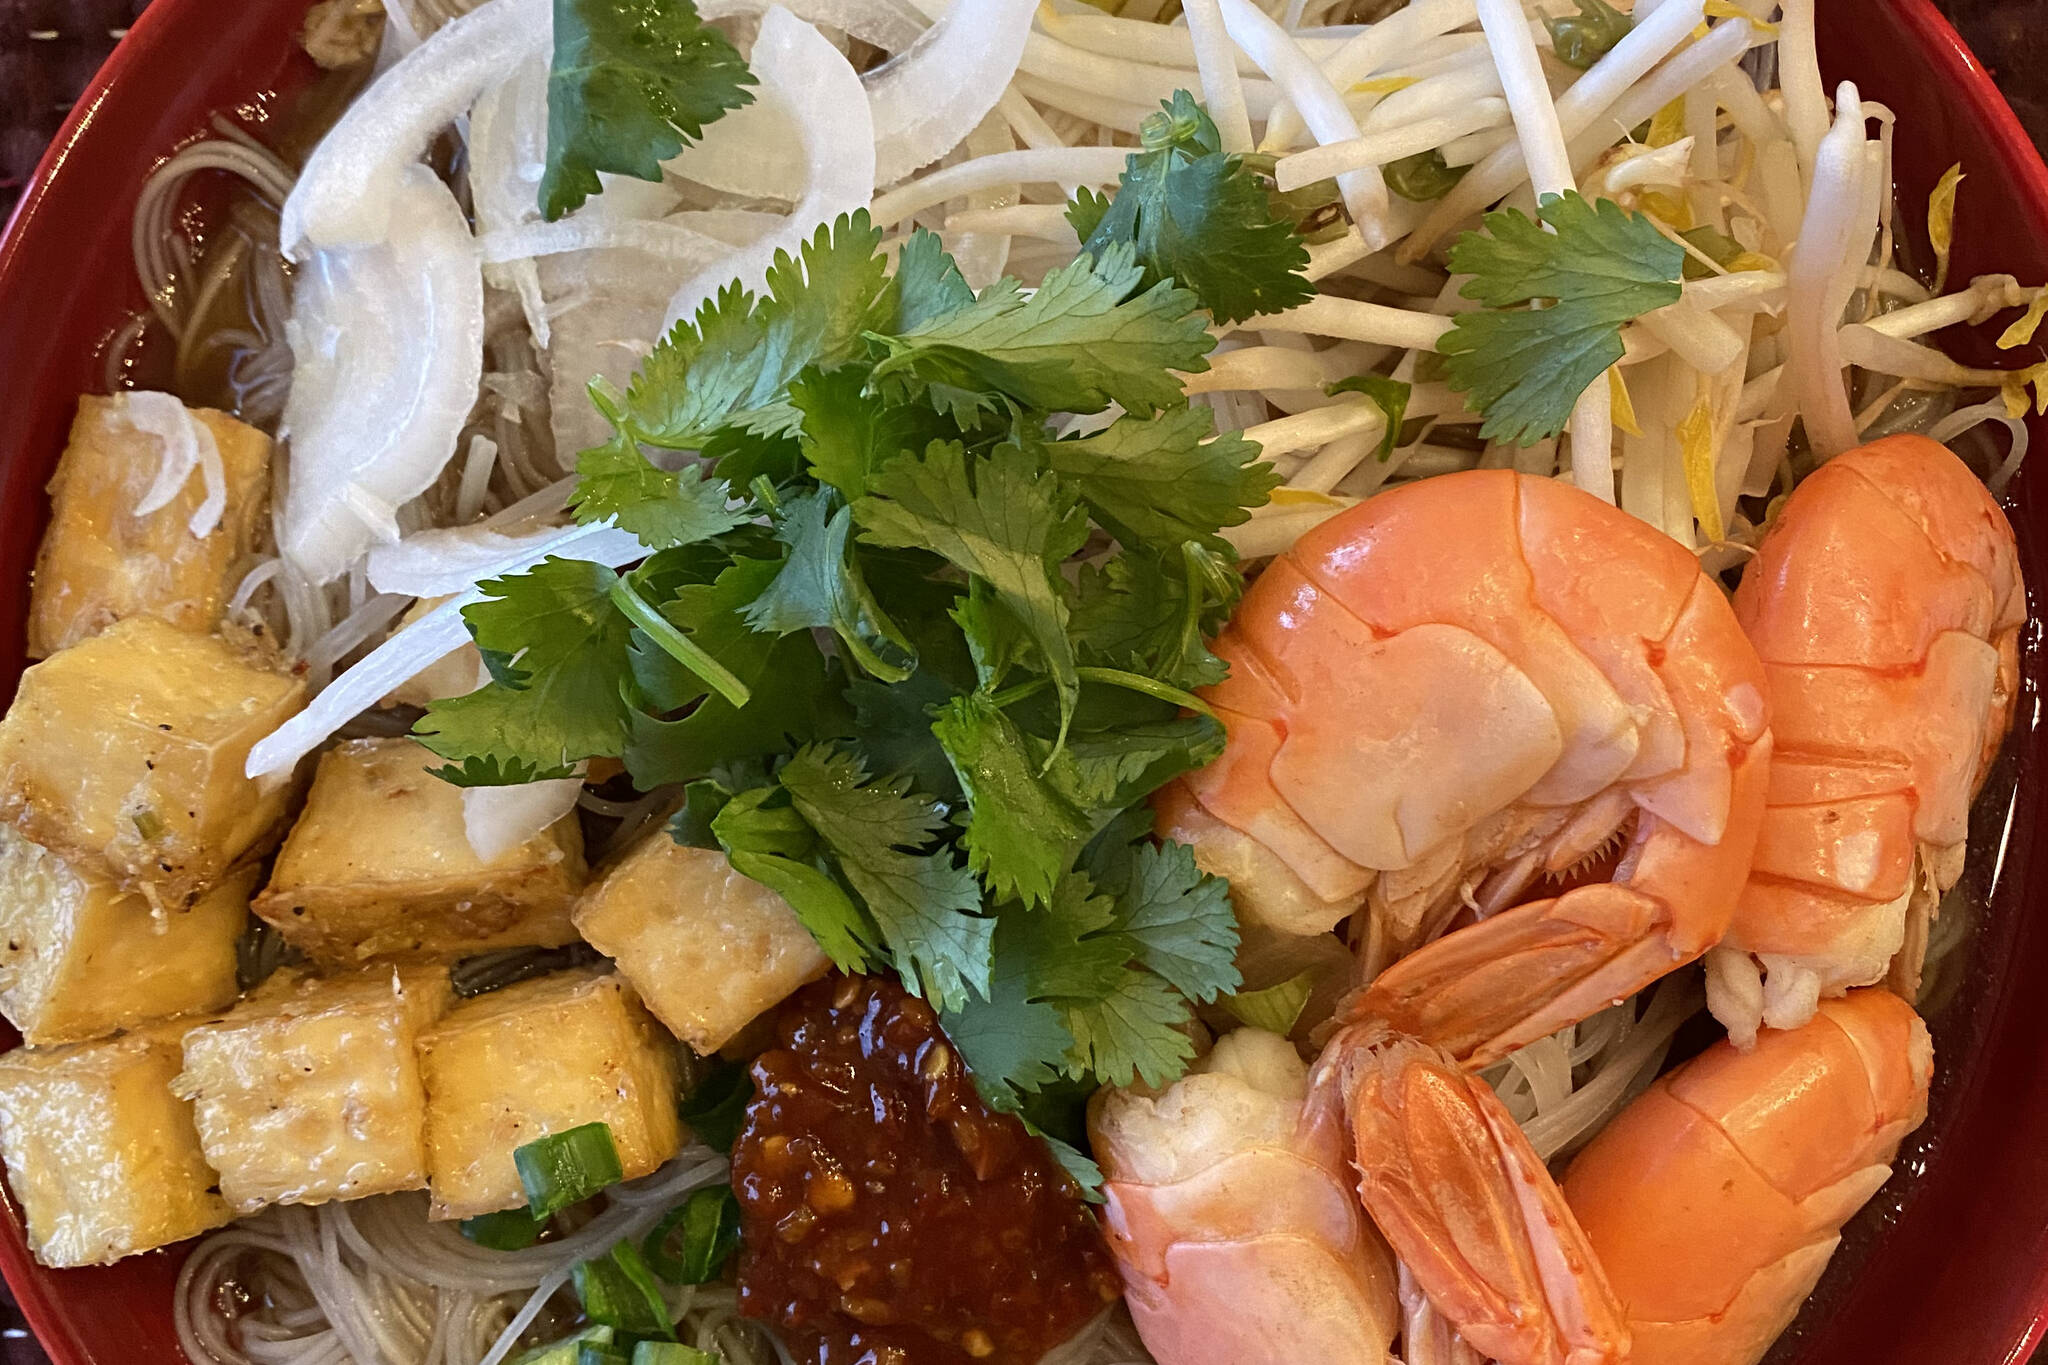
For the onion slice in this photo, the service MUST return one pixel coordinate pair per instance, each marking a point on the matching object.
(188, 444)
(348, 192)
(455, 559)
(497, 820)
(929, 98)
(387, 350)
(811, 79)
(419, 646)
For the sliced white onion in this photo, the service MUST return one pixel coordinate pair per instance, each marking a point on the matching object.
(387, 349)
(497, 820)
(930, 97)
(456, 558)
(797, 67)
(188, 444)
(418, 647)
(508, 145)
(346, 195)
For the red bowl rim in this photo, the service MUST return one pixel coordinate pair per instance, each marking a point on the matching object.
(1950, 59)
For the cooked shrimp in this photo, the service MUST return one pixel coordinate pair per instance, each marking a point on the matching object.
(1456, 688)
(1886, 603)
(1232, 1212)
(1715, 1199)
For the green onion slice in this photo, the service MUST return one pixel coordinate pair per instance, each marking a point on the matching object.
(716, 1107)
(506, 1230)
(569, 1350)
(691, 1243)
(620, 1292)
(671, 1353)
(567, 1167)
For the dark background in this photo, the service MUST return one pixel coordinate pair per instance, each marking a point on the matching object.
(50, 48)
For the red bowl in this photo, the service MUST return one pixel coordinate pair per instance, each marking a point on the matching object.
(1950, 1264)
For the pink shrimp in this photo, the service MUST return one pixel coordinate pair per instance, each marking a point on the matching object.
(1231, 1210)
(1716, 1198)
(1453, 689)
(1886, 604)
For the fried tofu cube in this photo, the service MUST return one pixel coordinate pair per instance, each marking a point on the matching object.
(102, 562)
(103, 1157)
(706, 948)
(79, 959)
(124, 754)
(536, 1058)
(309, 1090)
(380, 865)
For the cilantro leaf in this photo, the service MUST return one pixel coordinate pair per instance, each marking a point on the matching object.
(1077, 344)
(739, 353)
(1198, 217)
(794, 689)
(846, 435)
(1022, 833)
(927, 284)
(1181, 920)
(1164, 481)
(1139, 1032)
(1524, 368)
(632, 81)
(926, 905)
(663, 508)
(770, 841)
(1012, 1041)
(1150, 614)
(556, 647)
(820, 585)
(996, 517)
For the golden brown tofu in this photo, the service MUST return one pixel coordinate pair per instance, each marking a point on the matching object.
(520, 1063)
(379, 865)
(706, 948)
(100, 562)
(309, 1090)
(124, 753)
(79, 959)
(103, 1158)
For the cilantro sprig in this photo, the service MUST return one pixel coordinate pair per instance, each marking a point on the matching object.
(631, 82)
(915, 655)
(1199, 217)
(1597, 268)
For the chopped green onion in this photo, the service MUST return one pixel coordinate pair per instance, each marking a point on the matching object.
(506, 1230)
(671, 1353)
(702, 1232)
(619, 1291)
(604, 1353)
(716, 1106)
(567, 1167)
(567, 1351)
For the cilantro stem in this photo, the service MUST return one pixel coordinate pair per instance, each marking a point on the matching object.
(1151, 687)
(677, 645)
(1113, 677)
